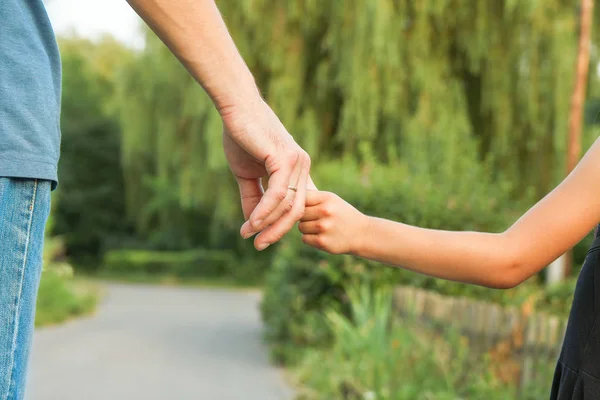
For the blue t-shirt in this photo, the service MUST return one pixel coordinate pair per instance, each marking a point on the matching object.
(30, 85)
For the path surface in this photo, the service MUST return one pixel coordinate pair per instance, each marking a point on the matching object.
(157, 343)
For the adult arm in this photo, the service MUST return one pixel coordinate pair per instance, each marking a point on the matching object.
(256, 143)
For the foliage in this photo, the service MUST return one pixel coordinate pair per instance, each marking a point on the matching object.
(300, 287)
(374, 357)
(59, 296)
(304, 285)
(467, 200)
(557, 299)
(59, 299)
(90, 214)
(461, 86)
(303, 282)
(458, 122)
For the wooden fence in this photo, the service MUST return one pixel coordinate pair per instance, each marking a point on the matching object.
(523, 345)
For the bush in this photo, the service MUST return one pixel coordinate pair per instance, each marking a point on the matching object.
(59, 296)
(303, 282)
(181, 264)
(458, 200)
(375, 358)
(59, 299)
(92, 201)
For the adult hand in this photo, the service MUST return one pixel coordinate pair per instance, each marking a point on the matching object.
(257, 145)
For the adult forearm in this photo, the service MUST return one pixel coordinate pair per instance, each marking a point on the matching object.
(196, 33)
(470, 257)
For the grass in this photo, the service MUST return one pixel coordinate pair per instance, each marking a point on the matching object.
(61, 298)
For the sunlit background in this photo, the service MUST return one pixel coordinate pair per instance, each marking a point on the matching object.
(442, 116)
(93, 19)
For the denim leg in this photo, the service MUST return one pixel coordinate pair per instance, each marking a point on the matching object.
(24, 209)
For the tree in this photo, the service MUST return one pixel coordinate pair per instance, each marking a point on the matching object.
(450, 89)
(91, 209)
(576, 114)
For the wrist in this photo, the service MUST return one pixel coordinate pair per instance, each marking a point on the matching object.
(238, 99)
(242, 109)
(359, 243)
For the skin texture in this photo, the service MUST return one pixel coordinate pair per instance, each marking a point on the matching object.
(497, 260)
(256, 143)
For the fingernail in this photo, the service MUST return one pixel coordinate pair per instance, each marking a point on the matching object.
(262, 246)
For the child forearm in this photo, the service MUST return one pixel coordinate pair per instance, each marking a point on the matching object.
(470, 257)
(554, 225)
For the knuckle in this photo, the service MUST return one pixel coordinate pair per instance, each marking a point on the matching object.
(305, 158)
(280, 194)
(276, 236)
(292, 158)
(320, 241)
(254, 225)
(289, 204)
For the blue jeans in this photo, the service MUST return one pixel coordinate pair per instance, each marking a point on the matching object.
(24, 209)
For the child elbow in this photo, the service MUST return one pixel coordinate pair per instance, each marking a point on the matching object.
(510, 275)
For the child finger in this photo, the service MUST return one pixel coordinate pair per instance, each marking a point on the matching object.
(309, 227)
(311, 214)
(311, 240)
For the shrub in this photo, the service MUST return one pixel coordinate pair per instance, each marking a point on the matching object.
(303, 282)
(59, 296)
(181, 264)
(59, 299)
(374, 357)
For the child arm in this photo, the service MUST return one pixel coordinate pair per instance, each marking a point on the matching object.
(502, 260)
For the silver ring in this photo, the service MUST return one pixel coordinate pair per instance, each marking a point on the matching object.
(295, 189)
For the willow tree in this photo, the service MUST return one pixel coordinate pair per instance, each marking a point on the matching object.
(436, 85)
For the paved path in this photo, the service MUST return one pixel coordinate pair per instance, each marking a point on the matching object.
(157, 343)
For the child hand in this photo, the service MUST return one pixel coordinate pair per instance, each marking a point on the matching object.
(331, 224)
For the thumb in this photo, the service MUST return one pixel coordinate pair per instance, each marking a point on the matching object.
(314, 197)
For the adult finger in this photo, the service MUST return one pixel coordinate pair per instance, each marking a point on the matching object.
(287, 204)
(284, 207)
(276, 192)
(286, 222)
